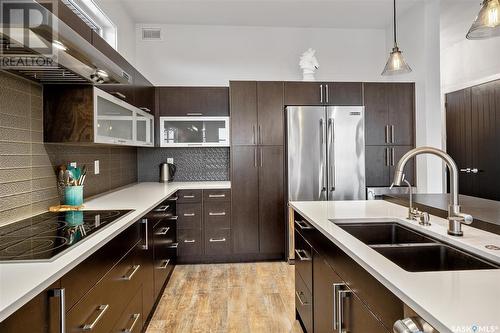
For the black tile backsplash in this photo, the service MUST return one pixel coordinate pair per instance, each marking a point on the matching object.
(193, 164)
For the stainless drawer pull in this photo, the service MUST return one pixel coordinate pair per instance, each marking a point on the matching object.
(303, 256)
(165, 264)
(303, 225)
(162, 231)
(161, 208)
(215, 240)
(119, 94)
(101, 310)
(173, 198)
(135, 317)
(217, 214)
(189, 241)
(341, 294)
(132, 271)
(61, 294)
(146, 243)
(189, 214)
(216, 195)
(194, 114)
(300, 298)
(188, 196)
(172, 218)
(336, 288)
(145, 109)
(174, 245)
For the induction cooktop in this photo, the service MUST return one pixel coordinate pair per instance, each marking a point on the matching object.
(46, 236)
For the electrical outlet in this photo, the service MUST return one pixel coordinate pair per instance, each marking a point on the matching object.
(72, 164)
(170, 160)
(96, 167)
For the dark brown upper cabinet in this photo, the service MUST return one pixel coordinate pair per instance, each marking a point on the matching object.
(144, 93)
(193, 101)
(389, 113)
(324, 93)
(270, 110)
(243, 101)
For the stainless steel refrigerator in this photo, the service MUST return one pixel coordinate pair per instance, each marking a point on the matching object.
(326, 153)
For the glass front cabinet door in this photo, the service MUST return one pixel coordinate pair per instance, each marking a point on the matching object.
(194, 131)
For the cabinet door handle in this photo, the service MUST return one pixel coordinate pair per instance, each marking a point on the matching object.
(217, 214)
(392, 156)
(194, 114)
(161, 208)
(146, 243)
(188, 196)
(145, 109)
(174, 245)
(340, 308)
(321, 93)
(165, 264)
(61, 294)
(255, 157)
(119, 94)
(261, 158)
(216, 195)
(217, 240)
(189, 214)
(259, 134)
(135, 318)
(303, 225)
(101, 310)
(131, 273)
(303, 256)
(387, 134)
(392, 133)
(189, 241)
(162, 231)
(387, 157)
(254, 137)
(300, 298)
(327, 93)
(336, 288)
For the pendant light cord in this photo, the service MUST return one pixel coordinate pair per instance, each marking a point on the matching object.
(395, 28)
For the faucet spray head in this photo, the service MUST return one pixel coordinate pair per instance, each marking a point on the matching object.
(398, 178)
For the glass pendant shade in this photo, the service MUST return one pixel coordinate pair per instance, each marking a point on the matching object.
(396, 63)
(487, 22)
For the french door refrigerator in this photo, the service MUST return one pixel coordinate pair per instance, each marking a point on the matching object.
(326, 153)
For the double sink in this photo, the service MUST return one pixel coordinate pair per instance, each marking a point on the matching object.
(411, 250)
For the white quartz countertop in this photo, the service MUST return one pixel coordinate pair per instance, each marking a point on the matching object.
(20, 282)
(451, 301)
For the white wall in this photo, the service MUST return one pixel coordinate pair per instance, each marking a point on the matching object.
(213, 55)
(125, 27)
(418, 38)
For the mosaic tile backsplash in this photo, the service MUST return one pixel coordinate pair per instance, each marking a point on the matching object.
(193, 164)
(27, 165)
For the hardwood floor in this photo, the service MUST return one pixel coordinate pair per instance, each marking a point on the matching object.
(247, 297)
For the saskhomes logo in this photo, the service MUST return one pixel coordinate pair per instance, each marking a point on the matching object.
(26, 35)
(476, 329)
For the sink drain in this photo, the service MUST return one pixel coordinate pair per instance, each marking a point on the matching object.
(492, 247)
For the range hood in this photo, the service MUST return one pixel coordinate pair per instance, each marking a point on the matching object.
(49, 51)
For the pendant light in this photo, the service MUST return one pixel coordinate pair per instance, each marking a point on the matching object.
(487, 22)
(396, 64)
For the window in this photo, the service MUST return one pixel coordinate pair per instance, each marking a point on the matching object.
(95, 18)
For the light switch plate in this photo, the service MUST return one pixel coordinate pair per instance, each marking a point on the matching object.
(96, 167)
(170, 160)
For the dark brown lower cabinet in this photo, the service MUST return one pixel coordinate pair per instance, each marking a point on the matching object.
(40, 315)
(345, 297)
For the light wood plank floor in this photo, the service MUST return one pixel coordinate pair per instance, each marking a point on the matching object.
(248, 297)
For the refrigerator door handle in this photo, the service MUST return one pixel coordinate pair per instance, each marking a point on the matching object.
(331, 142)
(322, 142)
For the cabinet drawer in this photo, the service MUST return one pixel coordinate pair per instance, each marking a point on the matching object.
(101, 307)
(189, 242)
(84, 276)
(216, 195)
(189, 196)
(217, 215)
(132, 319)
(217, 241)
(303, 259)
(303, 303)
(189, 216)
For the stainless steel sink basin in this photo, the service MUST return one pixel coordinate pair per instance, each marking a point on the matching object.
(384, 233)
(432, 258)
(413, 251)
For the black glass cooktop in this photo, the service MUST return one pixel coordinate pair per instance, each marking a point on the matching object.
(44, 237)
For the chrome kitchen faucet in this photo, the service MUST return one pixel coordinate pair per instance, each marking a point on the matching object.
(455, 217)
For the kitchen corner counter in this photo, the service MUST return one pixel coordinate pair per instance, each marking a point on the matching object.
(451, 301)
(20, 282)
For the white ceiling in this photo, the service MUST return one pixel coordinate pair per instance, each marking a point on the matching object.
(280, 13)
